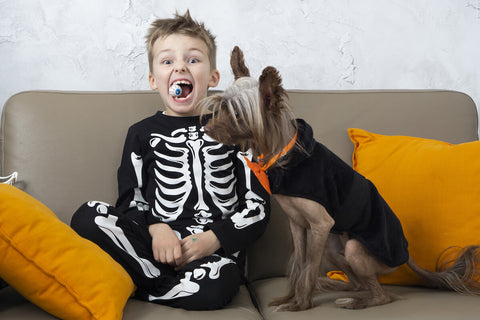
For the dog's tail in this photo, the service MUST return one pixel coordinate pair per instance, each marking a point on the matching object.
(458, 271)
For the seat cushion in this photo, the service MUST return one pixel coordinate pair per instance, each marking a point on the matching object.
(409, 303)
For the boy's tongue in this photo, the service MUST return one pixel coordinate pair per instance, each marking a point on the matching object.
(186, 90)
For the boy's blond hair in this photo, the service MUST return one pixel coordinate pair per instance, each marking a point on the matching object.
(185, 25)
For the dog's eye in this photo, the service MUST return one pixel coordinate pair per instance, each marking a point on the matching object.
(237, 115)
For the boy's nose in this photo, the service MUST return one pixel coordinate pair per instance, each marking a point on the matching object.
(180, 67)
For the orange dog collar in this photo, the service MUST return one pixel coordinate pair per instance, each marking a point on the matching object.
(260, 169)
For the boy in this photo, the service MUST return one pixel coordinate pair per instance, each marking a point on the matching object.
(188, 206)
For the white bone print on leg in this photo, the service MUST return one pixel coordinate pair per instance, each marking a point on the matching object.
(185, 288)
(216, 266)
(108, 225)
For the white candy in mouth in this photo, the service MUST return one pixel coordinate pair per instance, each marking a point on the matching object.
(175, 90)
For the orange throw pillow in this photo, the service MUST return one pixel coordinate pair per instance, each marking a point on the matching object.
(53, 267)
(432, 186)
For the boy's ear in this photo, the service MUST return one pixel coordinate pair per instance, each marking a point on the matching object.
(271, 90)
(214, 78)
(151, 80)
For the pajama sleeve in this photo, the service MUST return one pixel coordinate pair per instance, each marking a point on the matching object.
(249, 220)
(131, 177)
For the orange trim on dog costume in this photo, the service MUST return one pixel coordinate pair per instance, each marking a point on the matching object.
(260, 169)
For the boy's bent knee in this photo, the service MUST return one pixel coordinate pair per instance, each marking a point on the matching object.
(224, 289)
(83, 220)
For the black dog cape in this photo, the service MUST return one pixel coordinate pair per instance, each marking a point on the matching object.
(317, 174)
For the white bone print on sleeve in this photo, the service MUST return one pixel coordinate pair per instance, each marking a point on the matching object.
(138, 200)
(253, 202)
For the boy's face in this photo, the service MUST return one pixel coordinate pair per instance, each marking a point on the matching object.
(183, 60)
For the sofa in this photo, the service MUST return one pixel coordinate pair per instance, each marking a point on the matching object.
(66, 148)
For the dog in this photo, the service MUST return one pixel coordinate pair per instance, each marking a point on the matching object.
(350, 224)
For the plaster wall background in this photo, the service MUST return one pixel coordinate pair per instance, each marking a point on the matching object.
(316, 44)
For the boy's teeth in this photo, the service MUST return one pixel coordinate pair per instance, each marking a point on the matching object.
(181, 82)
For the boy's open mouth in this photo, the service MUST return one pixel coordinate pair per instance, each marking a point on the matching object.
(187, 89)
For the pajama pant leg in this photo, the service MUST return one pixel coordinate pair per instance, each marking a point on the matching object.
(208, 283)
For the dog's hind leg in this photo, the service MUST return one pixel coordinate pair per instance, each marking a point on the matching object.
(367, 268)
(335, 256)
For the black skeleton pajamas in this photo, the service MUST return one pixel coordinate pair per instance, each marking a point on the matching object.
(172, 172)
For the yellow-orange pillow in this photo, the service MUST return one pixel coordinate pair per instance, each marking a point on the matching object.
(432, 186)
(49, 264)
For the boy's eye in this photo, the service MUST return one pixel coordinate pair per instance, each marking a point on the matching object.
(166, 61)
(193, 60)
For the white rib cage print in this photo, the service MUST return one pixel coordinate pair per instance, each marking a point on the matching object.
(196, 165)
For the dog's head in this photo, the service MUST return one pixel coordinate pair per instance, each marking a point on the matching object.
(249, 113)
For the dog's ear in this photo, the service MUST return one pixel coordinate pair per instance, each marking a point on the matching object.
(237, 63)
(271, 90)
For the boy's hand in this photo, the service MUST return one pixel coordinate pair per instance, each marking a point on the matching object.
(165, 244)
(197, 246)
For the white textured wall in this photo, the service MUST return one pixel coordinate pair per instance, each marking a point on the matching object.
(316, 44)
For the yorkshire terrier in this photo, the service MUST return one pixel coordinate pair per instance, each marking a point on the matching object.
(350, 223)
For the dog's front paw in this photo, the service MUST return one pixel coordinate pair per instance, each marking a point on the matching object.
(291, 304)
(347, 303)
(361, 303)
(287, 307)
(294, 306)
(281, 300)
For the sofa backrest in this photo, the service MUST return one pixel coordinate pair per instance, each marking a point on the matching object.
(66, 146)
